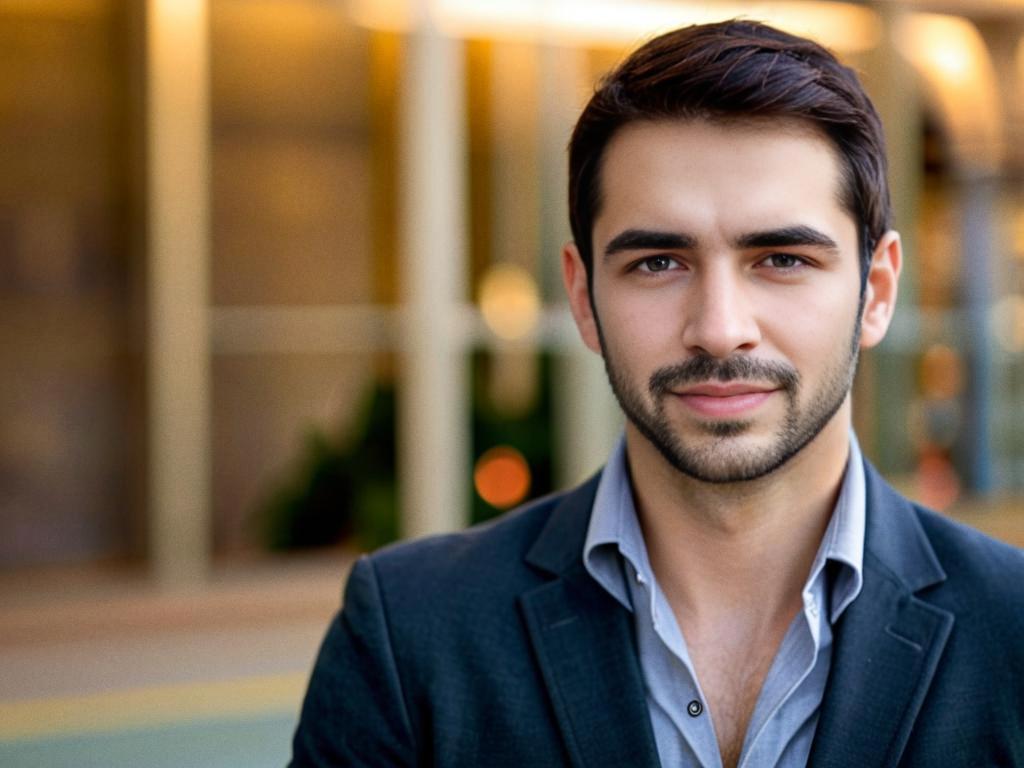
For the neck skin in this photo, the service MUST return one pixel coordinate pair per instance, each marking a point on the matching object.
(738, 552)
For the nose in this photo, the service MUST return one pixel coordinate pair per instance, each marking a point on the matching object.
(720, 317)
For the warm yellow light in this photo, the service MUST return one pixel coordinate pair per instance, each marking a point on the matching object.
(951, 55)
(839, 25)
(952, 62)
(510, 301)
(950, 46)
(66, 9)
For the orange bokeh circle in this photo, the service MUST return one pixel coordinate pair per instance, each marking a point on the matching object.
(502, 477)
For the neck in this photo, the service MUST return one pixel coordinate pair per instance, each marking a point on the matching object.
(744, 548)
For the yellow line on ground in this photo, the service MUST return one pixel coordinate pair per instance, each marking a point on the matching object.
(161, 705)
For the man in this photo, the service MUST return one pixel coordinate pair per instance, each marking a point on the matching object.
(738, 586)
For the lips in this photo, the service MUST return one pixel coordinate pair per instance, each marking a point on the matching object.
(716, 400)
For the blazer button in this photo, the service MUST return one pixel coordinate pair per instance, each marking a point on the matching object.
(694, 708)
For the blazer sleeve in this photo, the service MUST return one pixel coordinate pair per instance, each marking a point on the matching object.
(354, 713)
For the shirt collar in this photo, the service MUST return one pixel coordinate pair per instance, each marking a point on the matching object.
(843, 541)
(614, 536)
(614, 528)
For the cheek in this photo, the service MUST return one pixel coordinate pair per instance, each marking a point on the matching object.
(816, 330)
(642, 335)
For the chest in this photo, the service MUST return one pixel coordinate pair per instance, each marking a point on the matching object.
(732, 662)
(731, 680)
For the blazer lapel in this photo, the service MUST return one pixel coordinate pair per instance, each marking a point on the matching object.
(585, 648)
(887, 644)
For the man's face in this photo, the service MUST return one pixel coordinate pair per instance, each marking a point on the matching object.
(725, 291)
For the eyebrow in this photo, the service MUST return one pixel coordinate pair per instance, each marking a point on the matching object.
(644, 239)
(787, 236)
(651, 239)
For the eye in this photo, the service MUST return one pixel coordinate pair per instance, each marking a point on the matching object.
(657, 264)
(783, 261)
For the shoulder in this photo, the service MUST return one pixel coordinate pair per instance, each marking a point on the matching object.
(481, 567)
(984, 577)
(980, 680)
(445, 605)
(496, 544)
(421, 625)
(925, 550)
(967, 554)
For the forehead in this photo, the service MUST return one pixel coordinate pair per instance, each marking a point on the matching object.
(722, 175)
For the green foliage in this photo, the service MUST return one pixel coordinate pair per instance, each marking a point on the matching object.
(311, 508)
(374, 463)
(340, 492)
(531, 434)
(348, 491)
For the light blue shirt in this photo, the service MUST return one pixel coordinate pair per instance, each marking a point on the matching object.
(785, 716)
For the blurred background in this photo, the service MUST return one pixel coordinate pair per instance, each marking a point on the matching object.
(279, 284)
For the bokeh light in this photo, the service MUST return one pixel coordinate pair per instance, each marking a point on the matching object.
(509, 301)
(502, 477)
(938, 483)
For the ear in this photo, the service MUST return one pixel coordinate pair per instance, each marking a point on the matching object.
(577, 288)
(881, 288)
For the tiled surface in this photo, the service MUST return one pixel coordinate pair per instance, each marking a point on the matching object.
(255, 742)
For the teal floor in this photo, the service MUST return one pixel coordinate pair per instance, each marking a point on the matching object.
(256, 742)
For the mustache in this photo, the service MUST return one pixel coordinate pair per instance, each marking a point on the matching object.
(705, 368)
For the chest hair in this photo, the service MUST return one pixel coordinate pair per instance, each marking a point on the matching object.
(732, 668)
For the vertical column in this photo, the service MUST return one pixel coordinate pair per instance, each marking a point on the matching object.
(433, 418)
(178, 369)
(977, 200)
(989, 447)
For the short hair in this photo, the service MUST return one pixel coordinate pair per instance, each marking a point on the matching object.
(734, 70)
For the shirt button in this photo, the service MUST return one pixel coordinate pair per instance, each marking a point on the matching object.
(812, 607)
(694, 708)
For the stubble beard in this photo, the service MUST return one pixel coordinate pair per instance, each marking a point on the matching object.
(722, 459)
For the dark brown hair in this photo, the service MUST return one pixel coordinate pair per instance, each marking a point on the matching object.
(734, 70)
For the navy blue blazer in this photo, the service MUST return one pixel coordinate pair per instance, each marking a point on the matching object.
(494, 647)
